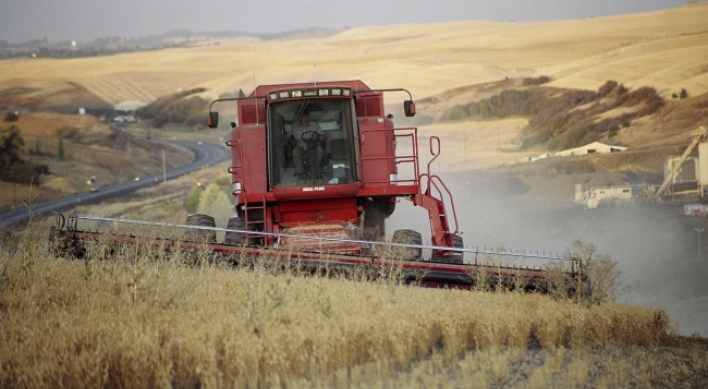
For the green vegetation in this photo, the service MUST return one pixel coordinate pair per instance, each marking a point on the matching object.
(191, 202)
(61, 152)
(145, 320)
(176, 109)
(215, 202)
(540, 80)
(11, 117)
(12, 167)
(564, 118)
(682, 95)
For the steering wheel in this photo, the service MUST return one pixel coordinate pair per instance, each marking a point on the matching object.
(310, 136)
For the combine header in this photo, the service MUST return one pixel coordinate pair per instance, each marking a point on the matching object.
(317, 168)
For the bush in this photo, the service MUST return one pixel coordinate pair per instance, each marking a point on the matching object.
(24, 172)
(192, 201)
(11, 141)
(214, 202)
(12, 117)
(611, 88)
(536, 81)
(602, 271)
(175, 109)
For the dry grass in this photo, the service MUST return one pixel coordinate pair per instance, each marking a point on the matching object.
(133, 322)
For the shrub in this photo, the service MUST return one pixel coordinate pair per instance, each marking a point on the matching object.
(611, 87)
(214, 202)
(644, 94)
(175, 109)
(191, 202)
(11, 142)
(12, 117)
(536, 81)
(24, 172)
(602, 271)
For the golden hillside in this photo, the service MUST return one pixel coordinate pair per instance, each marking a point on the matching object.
(665, 49)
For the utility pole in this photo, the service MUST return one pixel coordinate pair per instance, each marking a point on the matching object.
(164, 167)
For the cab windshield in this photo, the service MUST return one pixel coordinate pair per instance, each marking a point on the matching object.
(311, 142)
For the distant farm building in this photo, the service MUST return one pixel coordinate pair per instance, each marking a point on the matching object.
(129, 105)
(592, 148)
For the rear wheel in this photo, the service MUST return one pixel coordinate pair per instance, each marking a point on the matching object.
(410, 237)
(234, 237)
(197, 235)
(455, 257)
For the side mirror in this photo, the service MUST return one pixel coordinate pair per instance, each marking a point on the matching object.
(212, 120)
(409, 108)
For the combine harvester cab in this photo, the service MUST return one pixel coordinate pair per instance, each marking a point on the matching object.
(317, 168)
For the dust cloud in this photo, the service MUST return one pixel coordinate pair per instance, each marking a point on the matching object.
(655, 245)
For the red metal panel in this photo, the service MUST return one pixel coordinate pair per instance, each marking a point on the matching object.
(376, 144)
(310, 212)
(316, 191)
(369, 105)
(248, 147)
(251, 112)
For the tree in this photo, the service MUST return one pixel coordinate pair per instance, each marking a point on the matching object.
(12, 168)
(214, 202)
(12, 117)
(61, 149)
(11, 142)
(192, 201)
(683, 94)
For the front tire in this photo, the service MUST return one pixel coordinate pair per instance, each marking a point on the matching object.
(197, 235)
(410, 237)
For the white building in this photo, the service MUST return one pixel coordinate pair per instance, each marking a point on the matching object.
(592, 148)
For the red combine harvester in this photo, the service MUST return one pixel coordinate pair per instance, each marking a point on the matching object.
(317, 168)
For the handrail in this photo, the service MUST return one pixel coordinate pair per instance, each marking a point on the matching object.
(434, 146)
(399, 133)
(431, 180)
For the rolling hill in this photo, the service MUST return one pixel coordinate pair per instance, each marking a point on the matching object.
(663, 49)
(444, 64)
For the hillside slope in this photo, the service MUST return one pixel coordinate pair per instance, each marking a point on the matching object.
(664, 49)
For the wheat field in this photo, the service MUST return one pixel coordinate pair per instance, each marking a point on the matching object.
(148, 321)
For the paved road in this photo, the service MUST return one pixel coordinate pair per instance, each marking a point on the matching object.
(205, 155)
